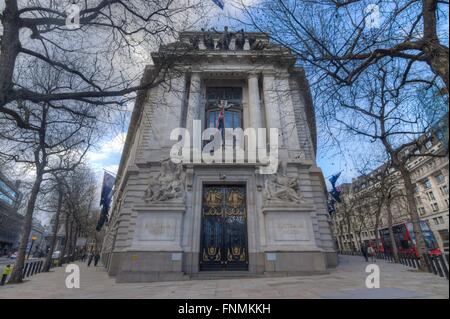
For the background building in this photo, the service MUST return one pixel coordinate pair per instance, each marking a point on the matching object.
(355, 219)
(10, 220)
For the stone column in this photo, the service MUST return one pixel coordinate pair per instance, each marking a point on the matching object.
(254, 107)
(193, 111)
(272, 111)
(254, 103)
(287, 116)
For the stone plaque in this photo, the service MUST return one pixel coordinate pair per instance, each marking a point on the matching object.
(271, 256)
(288, 227)
(158, 227)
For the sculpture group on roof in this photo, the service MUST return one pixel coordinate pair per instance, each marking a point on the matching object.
(226, 40)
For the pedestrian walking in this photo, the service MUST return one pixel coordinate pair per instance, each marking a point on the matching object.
(364, 251)
(371, 253)
(6, 272)
(96, 259)
(91, 257)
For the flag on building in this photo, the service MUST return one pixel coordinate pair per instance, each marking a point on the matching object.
(219, 3)
(336, 191)
(105, 199)
(333, 179)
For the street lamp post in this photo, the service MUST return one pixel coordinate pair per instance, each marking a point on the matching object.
(33, 239)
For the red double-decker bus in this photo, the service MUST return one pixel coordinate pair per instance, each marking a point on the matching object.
(405, 239)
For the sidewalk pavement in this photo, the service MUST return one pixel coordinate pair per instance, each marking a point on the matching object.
(347, 281)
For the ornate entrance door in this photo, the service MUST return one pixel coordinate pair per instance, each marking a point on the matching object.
(223, 242)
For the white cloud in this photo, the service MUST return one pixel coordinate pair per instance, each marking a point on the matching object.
(108, 148)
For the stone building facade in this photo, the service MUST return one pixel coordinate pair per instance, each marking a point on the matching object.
(177, 220)
(11, 220)
(430, 175)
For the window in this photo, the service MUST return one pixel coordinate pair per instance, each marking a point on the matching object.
(7, 194)
(431, 196)
(436, 221)
(444, 190)
(416, 189)
(429, 145)
(435, 207)
(441, 219)
(446, 202)
(427, 184)
(421, 211)
(440, 178)
(232, 115)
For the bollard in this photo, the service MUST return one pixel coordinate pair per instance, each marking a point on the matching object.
(32, 266)
(416, 261)
(427, 263)
(25, 270)
(433, 267)
(419, 264)
(438, 266)
(412, 260)
(410, 264)
(444, 266)
(29, 269)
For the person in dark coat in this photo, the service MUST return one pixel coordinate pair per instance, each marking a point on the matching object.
(91, 257)
(364, 251)
(96, 259)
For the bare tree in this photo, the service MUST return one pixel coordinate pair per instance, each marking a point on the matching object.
(384, 109)
(78, 196)
(342, 39)
(386, 188)
(56, 136)
(101, 51)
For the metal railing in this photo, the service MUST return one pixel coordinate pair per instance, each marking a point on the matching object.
(32, 267)
(438, 265)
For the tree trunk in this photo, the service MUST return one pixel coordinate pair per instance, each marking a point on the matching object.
(74, 243)
(66, 240)
(437, 54)
(48, 259)
(377, 226)
(16, 276)
(391, 231)
(415, 219)
(9, 49)
(69, 241)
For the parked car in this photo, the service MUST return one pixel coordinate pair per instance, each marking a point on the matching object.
(14, 255)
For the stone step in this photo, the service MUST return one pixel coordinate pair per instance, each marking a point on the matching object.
(224, 275)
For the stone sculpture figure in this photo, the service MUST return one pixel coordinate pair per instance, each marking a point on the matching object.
(240, 39)
(208, 39)
(280, 187)
(225, 39)
(167, 185)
